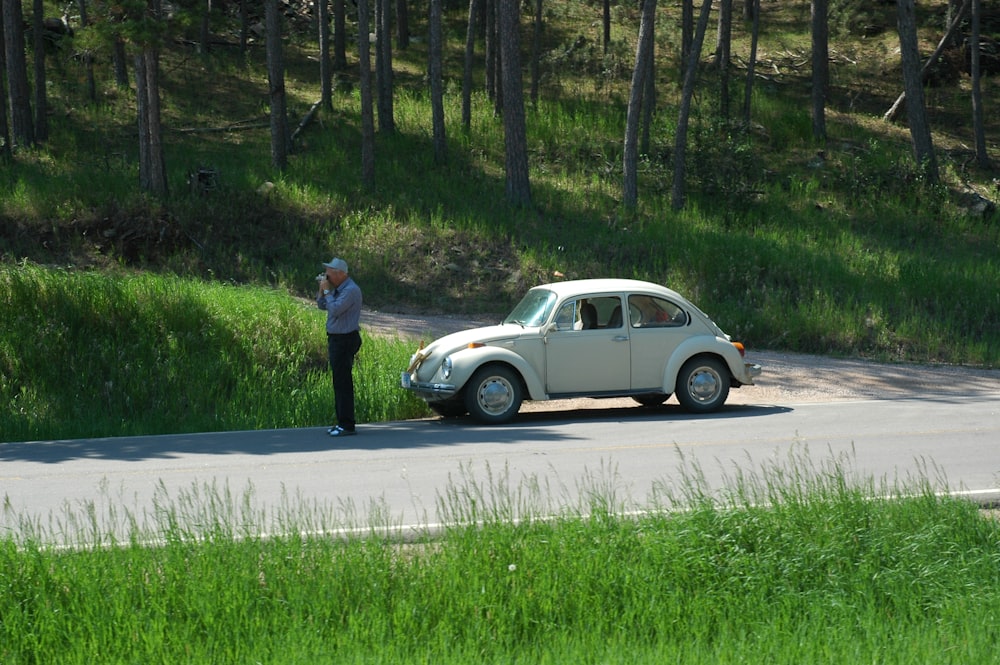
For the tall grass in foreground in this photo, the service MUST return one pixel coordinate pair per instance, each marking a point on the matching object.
(839, 569)
(98, 354)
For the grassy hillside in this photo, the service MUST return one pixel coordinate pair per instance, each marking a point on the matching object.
(835, 248)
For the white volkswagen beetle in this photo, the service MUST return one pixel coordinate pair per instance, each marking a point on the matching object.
(583, 338)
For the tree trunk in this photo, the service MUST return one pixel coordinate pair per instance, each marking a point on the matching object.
(5, 152)
(820, 66)
(954, 12)
(325, 69)
(114, 17)
(244, 28)
(630, 153)
(893, 111)
(514, 124)
(204, 36)
(120, 62)
(276, 86)
(88, 58)
(339, 36)
(982, 156)
(916, 111)
(498, 53)
(606, 22)
(367, 110)
(21, 124)
(687, 34)
(38, 46)
(470, 48)
(490, 48)
(142, 112)
(648, 100)
(536, 53)
(383, 66)
(402, 25)
(687, 92)
(752, 64)
(437, 88)
(723, 50)
(157, 159)
(152, 165)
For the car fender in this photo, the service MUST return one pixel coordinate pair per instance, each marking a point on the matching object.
(465, 362)
(704, 345)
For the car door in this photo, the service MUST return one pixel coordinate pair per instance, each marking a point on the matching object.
(582, 357)
(657, 328)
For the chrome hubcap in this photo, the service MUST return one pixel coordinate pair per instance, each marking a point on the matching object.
(704, 385)
(495, 395)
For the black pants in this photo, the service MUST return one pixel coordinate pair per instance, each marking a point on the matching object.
(342, 349)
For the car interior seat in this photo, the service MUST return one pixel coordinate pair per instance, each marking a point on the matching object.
(616, 318)
(588, 315)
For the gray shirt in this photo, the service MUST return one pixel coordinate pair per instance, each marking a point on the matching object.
(343, 308)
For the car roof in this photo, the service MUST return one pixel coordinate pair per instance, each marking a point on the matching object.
(610, 285)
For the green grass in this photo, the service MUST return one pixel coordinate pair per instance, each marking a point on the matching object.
(88, 354)
(794, 562)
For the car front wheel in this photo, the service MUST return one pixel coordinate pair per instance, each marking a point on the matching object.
(703, 385)
(493, 395)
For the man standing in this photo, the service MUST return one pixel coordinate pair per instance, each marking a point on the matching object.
(341, 298)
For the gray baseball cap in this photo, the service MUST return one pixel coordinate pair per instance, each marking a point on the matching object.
(337, 264)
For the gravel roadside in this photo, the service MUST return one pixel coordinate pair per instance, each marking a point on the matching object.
(787, 377)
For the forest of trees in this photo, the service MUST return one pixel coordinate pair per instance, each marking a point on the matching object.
(139, 28)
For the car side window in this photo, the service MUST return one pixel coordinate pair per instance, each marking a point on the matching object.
(580, 314)
(589, 313)
(652, 312)
(609, 311)
(568, 317)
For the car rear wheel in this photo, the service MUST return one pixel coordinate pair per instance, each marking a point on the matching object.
(703, 385)
(493, 395)
(651, 399)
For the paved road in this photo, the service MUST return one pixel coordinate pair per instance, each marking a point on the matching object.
(397, 473)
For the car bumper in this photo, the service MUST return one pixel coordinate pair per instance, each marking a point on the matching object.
(427, 390)
(750, 372)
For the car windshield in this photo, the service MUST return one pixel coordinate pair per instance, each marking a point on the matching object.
(534, 308)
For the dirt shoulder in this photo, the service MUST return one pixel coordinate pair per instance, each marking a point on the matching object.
(787, 378)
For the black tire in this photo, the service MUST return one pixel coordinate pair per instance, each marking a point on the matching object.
(702, 384)
(651, 399)
(493, 395)
(449, 409)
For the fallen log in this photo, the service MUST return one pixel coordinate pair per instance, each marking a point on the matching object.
(306, 119)
(234, 127)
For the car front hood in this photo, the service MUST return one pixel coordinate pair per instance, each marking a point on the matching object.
(461, 339)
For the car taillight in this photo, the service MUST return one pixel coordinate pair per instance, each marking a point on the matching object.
(739, 347)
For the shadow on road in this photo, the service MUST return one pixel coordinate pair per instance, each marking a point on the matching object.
(633, 413)
(401, 435)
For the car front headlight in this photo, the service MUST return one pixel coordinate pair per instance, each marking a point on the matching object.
(446, 368)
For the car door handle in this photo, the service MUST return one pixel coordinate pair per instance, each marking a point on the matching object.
(620, 338)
